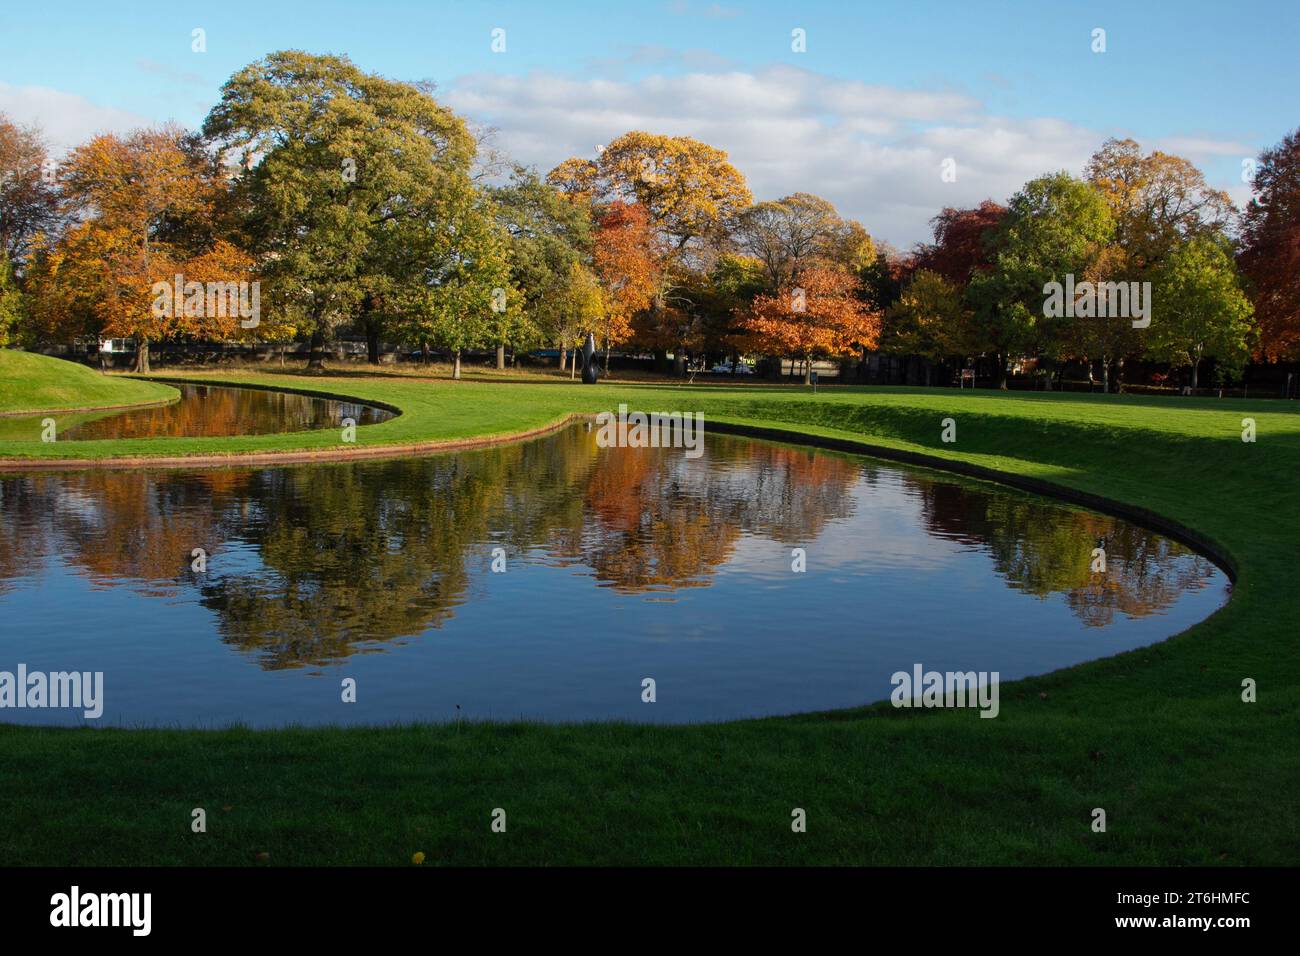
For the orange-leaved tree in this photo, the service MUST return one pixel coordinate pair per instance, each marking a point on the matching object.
(146, 207)
(820, 316)
(628, 269)
(692, 195)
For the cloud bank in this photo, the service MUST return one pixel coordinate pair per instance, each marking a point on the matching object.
(875, 151)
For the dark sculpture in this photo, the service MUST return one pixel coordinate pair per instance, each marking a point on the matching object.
(589, 359)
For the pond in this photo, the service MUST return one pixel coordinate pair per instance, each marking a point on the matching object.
(202, 410)
(614, 565)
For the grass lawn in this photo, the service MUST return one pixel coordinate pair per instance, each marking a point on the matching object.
(1159, 737)
(38, 383)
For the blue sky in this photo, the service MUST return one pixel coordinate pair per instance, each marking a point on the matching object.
(884, 92)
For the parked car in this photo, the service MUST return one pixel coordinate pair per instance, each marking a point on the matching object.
(725, 368)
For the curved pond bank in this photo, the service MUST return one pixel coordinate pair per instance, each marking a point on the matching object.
(549, 579)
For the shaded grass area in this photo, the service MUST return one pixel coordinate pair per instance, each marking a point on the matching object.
(37, 383)
(1158, 737)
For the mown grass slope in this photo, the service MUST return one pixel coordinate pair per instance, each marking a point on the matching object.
(1159, 737)
(36, 383)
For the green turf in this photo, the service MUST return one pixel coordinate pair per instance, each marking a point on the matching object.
(1159, 737)
(38, 383)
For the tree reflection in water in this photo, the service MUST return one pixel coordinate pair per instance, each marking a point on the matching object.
(310, 564)
(202, 411)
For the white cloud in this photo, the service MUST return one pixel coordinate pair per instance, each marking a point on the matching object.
(1202, 147)
(67, 120)
(875, 151)
(169, 73)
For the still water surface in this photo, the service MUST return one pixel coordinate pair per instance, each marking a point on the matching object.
(620, 564)
(202, 410)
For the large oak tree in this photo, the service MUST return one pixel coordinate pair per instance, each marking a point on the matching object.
(350, 183)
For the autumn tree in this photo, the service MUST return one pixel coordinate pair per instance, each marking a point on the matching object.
(822, 316)
(59, 306)
(576, 179)
(691, 191)
(628, 269)
(1157, 201)
(961, 241)
(29, 200)
(786, 235)
(1270, 254)
(915, 293)
(693, 197)
(127, 196)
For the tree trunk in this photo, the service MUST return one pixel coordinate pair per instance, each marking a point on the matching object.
(424, 353)
(607, 358)
(1119, 375)
(501, 355)
(564, 358)
(1002, 371)
(372, 346)
(807, 370)
(455, 368)
(316, 360)
(1196, 366)
(142, 357)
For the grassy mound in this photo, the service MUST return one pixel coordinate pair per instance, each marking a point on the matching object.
(38, 383)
